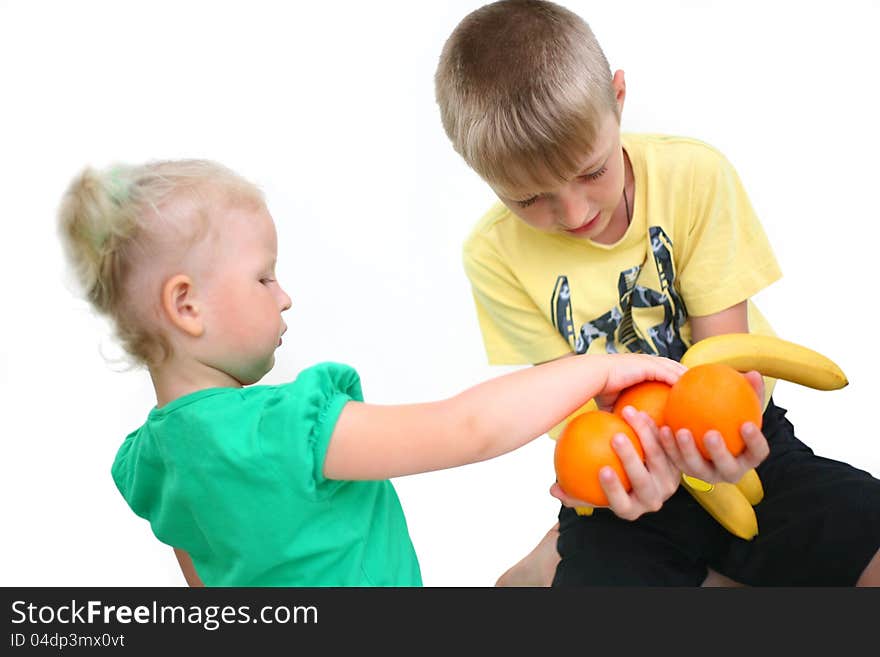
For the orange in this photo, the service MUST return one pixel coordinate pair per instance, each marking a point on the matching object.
(584, 448)
(713, 396)
(647, 396)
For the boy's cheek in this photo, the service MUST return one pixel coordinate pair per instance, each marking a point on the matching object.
(534, 218)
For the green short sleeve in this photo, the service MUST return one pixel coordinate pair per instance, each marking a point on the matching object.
(298, 420)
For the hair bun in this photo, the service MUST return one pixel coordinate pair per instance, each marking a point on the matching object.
(95, 211)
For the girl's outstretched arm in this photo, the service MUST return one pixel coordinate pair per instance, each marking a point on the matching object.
(380, 442)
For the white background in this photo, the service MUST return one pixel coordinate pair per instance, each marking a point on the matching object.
(330, 108)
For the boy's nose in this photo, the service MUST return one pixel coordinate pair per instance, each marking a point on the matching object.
(574, 208)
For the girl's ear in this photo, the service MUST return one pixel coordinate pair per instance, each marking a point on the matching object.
(180, 305)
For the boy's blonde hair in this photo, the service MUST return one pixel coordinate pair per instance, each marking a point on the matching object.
(523, 87)
(117, 224)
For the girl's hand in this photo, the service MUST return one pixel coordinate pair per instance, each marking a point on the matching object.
(653, 481)
(682, 450)
(625, 370)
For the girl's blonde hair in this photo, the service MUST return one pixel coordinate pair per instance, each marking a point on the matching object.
(523, 87)
(118, 221)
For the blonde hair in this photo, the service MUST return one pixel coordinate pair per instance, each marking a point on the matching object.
(116, 221)
(523, 86)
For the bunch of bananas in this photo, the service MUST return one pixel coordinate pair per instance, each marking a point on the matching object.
(731, 504)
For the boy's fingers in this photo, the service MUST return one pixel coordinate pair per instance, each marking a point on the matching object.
(756, 380)
(557, 492)
(644, 486)
(657, 461)
(725, 463)
(618, 498)
(694, 463)
(645, 430)
(667, 440)
(566, 499)
(629, 457)
(640, 421)
(649, 436)
(757, 448)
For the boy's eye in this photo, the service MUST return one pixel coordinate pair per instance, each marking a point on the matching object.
(264, 281)
(596, 174)
(589, 177)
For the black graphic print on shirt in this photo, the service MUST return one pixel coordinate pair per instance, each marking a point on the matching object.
(645, 320)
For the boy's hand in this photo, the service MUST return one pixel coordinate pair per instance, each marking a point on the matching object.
(682, 450)
(653, 481)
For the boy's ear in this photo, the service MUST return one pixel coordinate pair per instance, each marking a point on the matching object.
(180, 305)
(619, 84)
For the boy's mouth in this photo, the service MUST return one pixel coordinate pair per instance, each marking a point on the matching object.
(586, 227)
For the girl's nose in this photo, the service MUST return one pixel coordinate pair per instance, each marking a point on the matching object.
(285, 301)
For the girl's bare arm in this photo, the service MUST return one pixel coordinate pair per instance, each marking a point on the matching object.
(380, 442)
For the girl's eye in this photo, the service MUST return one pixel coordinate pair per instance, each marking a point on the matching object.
(264, 281)
(596, 174)
(527, 202)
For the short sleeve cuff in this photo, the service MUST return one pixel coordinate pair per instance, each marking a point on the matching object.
(323, 431)
(729, 293)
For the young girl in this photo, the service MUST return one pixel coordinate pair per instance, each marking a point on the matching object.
(287, 485)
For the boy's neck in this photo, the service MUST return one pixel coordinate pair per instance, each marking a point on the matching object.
(172, 380)
(629, 186)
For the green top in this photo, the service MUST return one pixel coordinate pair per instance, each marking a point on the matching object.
(234, 476)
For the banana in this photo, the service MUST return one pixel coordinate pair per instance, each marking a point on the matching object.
(731, 504)
(769, 355)
(697, 484)
(726, 503)
(750, 486)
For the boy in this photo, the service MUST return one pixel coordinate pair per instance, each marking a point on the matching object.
(609, 242)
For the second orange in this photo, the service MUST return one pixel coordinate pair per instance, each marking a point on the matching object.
(647, 396)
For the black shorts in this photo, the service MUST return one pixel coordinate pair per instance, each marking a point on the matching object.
(818, 525)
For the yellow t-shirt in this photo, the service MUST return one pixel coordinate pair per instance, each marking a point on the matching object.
(694, 246)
